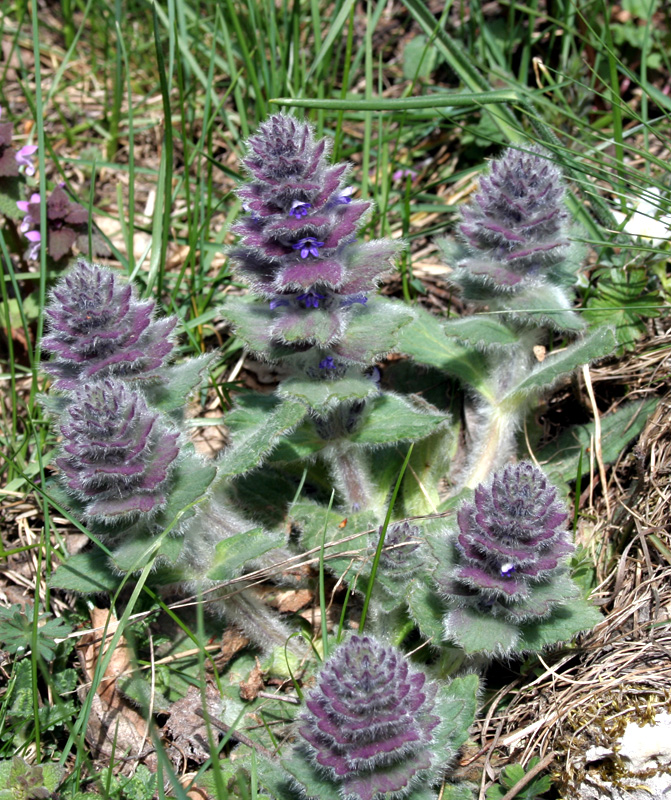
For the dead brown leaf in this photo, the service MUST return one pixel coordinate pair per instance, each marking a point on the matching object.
(188, 730)
(232, 642)
(250, 688)
(294, 599)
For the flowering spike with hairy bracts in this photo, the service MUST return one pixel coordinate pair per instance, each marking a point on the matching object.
(98, 327)
(516, 254)
(513, 535)
(369, 723)
(511, 541)
(298, 247)
(117, 454)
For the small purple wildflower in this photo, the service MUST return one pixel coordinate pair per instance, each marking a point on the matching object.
(35, 239)
(400, 174)
(299, 209)
(67, 223)
(327, 363)
(311, 299)
(277, 302)
(308, 246)
(345, 197)
(31, 218)
(355, 298)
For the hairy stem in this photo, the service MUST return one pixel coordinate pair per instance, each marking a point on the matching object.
(496, 424)
(246, 609)
(351, 476)
(492, 448)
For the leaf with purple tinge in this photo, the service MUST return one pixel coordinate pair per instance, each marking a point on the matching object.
(367, 262)
(315, 225)
(347, 222)
(303, 274)
(317, 326)
(331, 182)
(60, 242)
(373, 331)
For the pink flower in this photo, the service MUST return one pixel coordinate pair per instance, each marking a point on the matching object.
(23, 158)
(36, 238)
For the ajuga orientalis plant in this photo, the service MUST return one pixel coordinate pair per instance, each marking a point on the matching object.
(376, 728)
(505, 563)
(445, 532)
(318, 311)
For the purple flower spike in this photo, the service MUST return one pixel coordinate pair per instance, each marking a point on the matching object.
(308, 246)
(401, 556)
(98, 327)
(369, 724)
(511, 538)
(515, 235)
(117, 454)
(298, 246)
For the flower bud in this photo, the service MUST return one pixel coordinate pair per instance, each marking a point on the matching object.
(98, 328)
(117, 454)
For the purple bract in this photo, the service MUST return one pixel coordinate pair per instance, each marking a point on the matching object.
(369, 724)
(511, 537)
(117, 454)
(98, 327)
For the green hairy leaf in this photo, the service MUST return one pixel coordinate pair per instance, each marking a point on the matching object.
(253, 445)
(425, 340)
(233, 553)
(598, 344)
